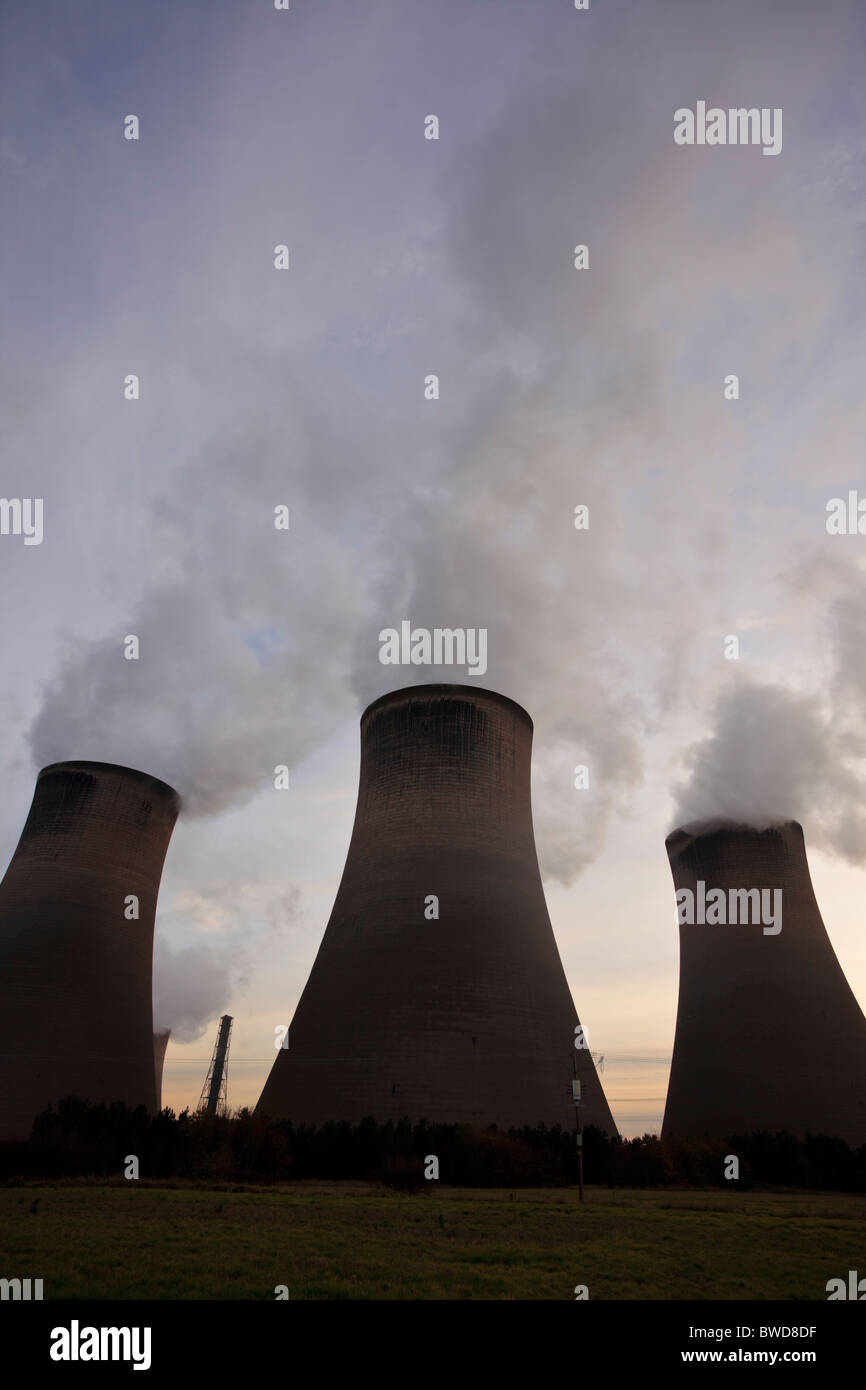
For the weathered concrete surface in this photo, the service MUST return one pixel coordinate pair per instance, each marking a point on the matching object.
(769, 1034)
(75, 975)
(468, 1018)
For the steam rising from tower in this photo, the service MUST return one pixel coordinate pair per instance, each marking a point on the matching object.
(438, 990)
(769, 1035)
(75, 969)
(160, 1043)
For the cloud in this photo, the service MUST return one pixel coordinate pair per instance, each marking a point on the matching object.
(222, 922)
(558, 387)
(776, 755)
(192, 986)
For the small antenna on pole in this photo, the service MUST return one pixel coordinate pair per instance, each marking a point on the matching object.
(577, 1098)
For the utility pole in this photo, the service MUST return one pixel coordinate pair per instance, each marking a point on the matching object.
(578, 1105)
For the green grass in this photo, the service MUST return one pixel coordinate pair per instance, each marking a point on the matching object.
(360, 1241)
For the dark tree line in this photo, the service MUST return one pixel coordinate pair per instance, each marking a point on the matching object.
(82, 1139)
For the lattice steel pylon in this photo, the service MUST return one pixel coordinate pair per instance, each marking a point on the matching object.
(215, 1089)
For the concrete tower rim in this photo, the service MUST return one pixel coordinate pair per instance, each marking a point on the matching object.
(454, 689)
(692, 831)
(89, 765)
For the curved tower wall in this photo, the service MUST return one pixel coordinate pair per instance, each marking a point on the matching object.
(75, 975)
(769, 1035)
(466, 1018)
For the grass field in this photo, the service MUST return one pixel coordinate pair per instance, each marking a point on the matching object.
(360, 1241)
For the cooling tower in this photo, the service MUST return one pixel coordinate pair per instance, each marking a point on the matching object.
(160, 1043)
(460, 1013)
(769, 1035)
(75, 969)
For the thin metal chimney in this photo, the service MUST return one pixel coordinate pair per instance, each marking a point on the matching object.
(214, 1093)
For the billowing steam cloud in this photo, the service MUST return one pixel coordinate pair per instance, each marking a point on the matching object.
(196, 982)
(192, 985)
(775, 755)
(558, 387)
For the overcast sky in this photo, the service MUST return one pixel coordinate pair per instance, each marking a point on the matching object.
(558, 387)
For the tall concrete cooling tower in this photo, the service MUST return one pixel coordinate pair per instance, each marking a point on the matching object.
(769, 1035)
(75, 971)
(464, 1016)
(160, 1043)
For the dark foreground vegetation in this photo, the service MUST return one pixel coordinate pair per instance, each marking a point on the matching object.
(112, 1239)
(80, 1139)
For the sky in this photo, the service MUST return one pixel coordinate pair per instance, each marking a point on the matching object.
(558, 387)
